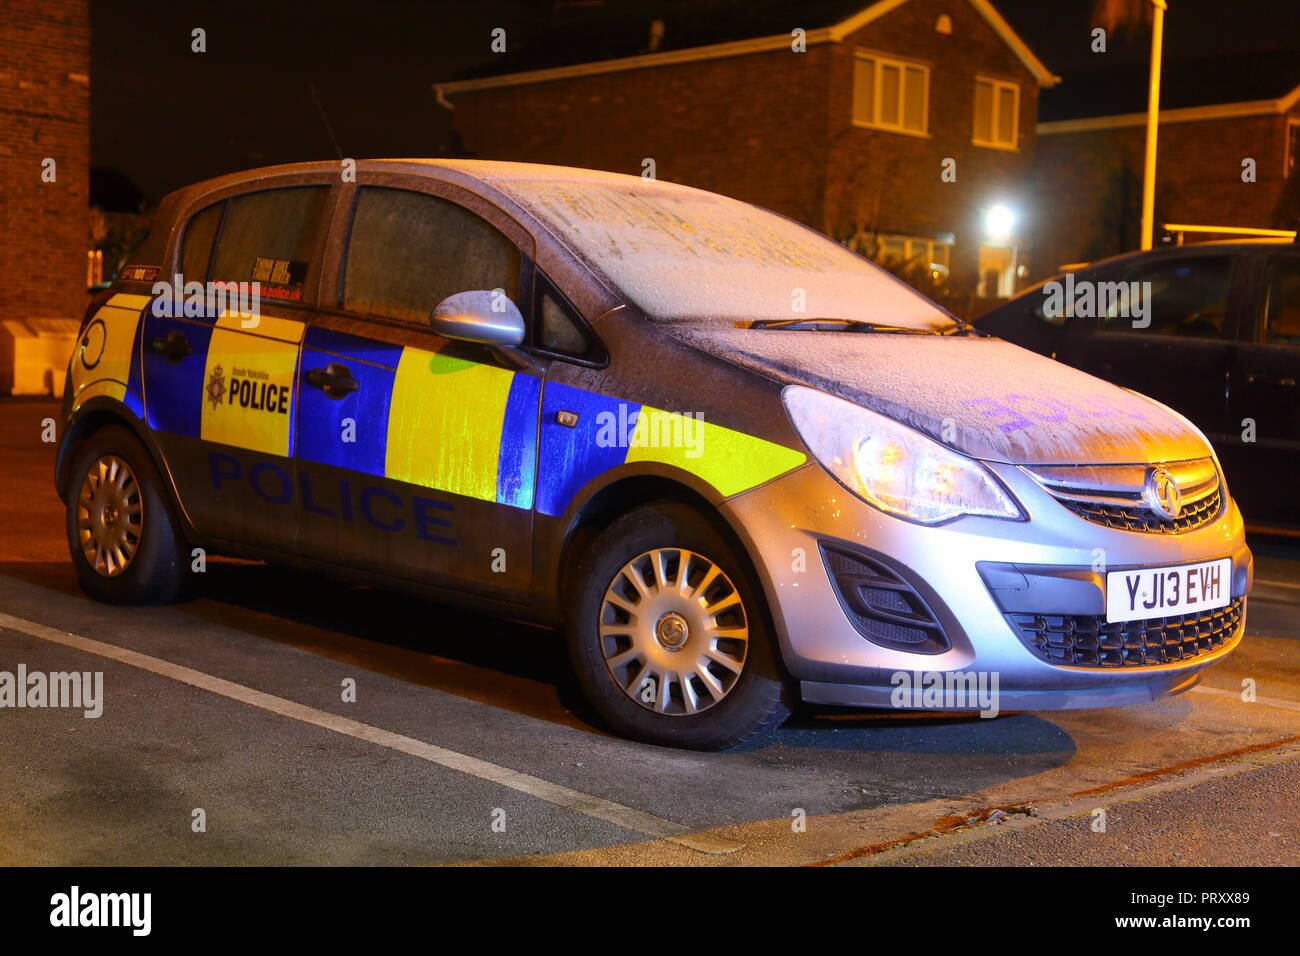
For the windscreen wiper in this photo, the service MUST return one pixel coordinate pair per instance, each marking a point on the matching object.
(835, 325)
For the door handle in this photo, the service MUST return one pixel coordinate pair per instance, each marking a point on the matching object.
(174, 347)
(334, 380)
(1284, 381)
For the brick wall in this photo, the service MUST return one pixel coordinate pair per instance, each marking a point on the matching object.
(1089, 183)
(44, 112)
(776, 129)
(747, 126)
(894, 179)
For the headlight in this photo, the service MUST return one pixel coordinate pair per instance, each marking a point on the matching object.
(891, 466)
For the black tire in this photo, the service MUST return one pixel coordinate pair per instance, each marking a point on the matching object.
(754, 706)
(159, 568)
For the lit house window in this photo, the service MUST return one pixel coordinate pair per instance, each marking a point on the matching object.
(997, 113)
(911, 250)
(890, 94)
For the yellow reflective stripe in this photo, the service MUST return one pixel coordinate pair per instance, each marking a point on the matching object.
(730, 461)
(120, 324)
(284, 330)
(444, 423)
(128, 300)
(114, 390)
(244, 371)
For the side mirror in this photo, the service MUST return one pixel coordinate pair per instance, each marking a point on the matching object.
(485, 316)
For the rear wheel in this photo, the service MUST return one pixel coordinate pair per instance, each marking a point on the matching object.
(668, 636)
(125, 542)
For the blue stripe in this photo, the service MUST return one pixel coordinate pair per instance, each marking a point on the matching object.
(320, 435)
(517, 459)
(134, 386)
(352, 346)
(573, 456)
(175, 394)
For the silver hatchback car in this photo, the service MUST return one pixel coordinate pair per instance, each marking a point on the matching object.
(737, 463)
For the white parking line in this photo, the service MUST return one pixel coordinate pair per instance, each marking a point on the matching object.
(1278, 584)
(1236, 695)
(596, 807)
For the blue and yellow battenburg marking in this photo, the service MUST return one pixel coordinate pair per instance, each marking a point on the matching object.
(422, 417)
(249, 383)
(573, 455)
(425, 418)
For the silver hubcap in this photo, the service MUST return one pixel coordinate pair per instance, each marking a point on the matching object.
(673, 631)
(109, 516)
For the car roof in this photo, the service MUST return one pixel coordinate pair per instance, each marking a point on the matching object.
(1235, 246)
(477, 174)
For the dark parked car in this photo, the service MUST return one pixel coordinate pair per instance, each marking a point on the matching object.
(1219, 342)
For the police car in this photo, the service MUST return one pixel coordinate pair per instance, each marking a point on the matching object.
(738, 464)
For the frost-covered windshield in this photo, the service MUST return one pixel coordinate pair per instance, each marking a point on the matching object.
(684, 254)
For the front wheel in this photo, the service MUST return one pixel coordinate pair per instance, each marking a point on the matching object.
(125, 542)
(667, 634)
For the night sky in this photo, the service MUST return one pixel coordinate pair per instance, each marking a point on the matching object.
(165, 116)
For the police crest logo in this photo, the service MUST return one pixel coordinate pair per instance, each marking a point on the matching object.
(216, 386)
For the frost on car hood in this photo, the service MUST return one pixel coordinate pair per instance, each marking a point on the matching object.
(1002, 402)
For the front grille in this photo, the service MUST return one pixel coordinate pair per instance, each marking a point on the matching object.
(1084, 640)
(1114, 496)
(882, 606)
(1142, 519)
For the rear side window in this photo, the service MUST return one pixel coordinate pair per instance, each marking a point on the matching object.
(267, 237)
(196, 248)
(408, 251)
(1186, 298)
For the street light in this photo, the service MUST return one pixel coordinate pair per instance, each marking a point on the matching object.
(999, 222)
(1153, 114)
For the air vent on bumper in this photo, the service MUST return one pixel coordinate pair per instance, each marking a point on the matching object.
(881, 605)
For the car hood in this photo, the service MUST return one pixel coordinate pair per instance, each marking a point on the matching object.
(985, 397)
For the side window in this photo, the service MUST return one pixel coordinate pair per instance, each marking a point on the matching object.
(408, 251)
(266, 237)
(1187, 298)
(559, 331)
(196, 248)
(1282, 302)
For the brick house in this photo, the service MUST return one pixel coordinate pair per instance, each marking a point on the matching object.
(1215, 115)
(44, 115)
(841, 115)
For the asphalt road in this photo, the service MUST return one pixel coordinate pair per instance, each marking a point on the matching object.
(466, 742)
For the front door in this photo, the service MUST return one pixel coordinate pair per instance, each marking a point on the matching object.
(417, 455)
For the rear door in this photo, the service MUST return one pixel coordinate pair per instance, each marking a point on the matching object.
(1181, 349)
(220, 361)
(417, 455)
(1263, 445)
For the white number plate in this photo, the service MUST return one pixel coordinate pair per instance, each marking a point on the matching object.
(1163, 592)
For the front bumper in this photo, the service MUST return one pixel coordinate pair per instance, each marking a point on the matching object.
(959, 570)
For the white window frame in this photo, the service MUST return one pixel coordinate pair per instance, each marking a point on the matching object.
(910, 244)
(879, 61)
(997, 85)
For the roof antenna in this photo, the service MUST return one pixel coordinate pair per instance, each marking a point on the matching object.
(325, 120)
